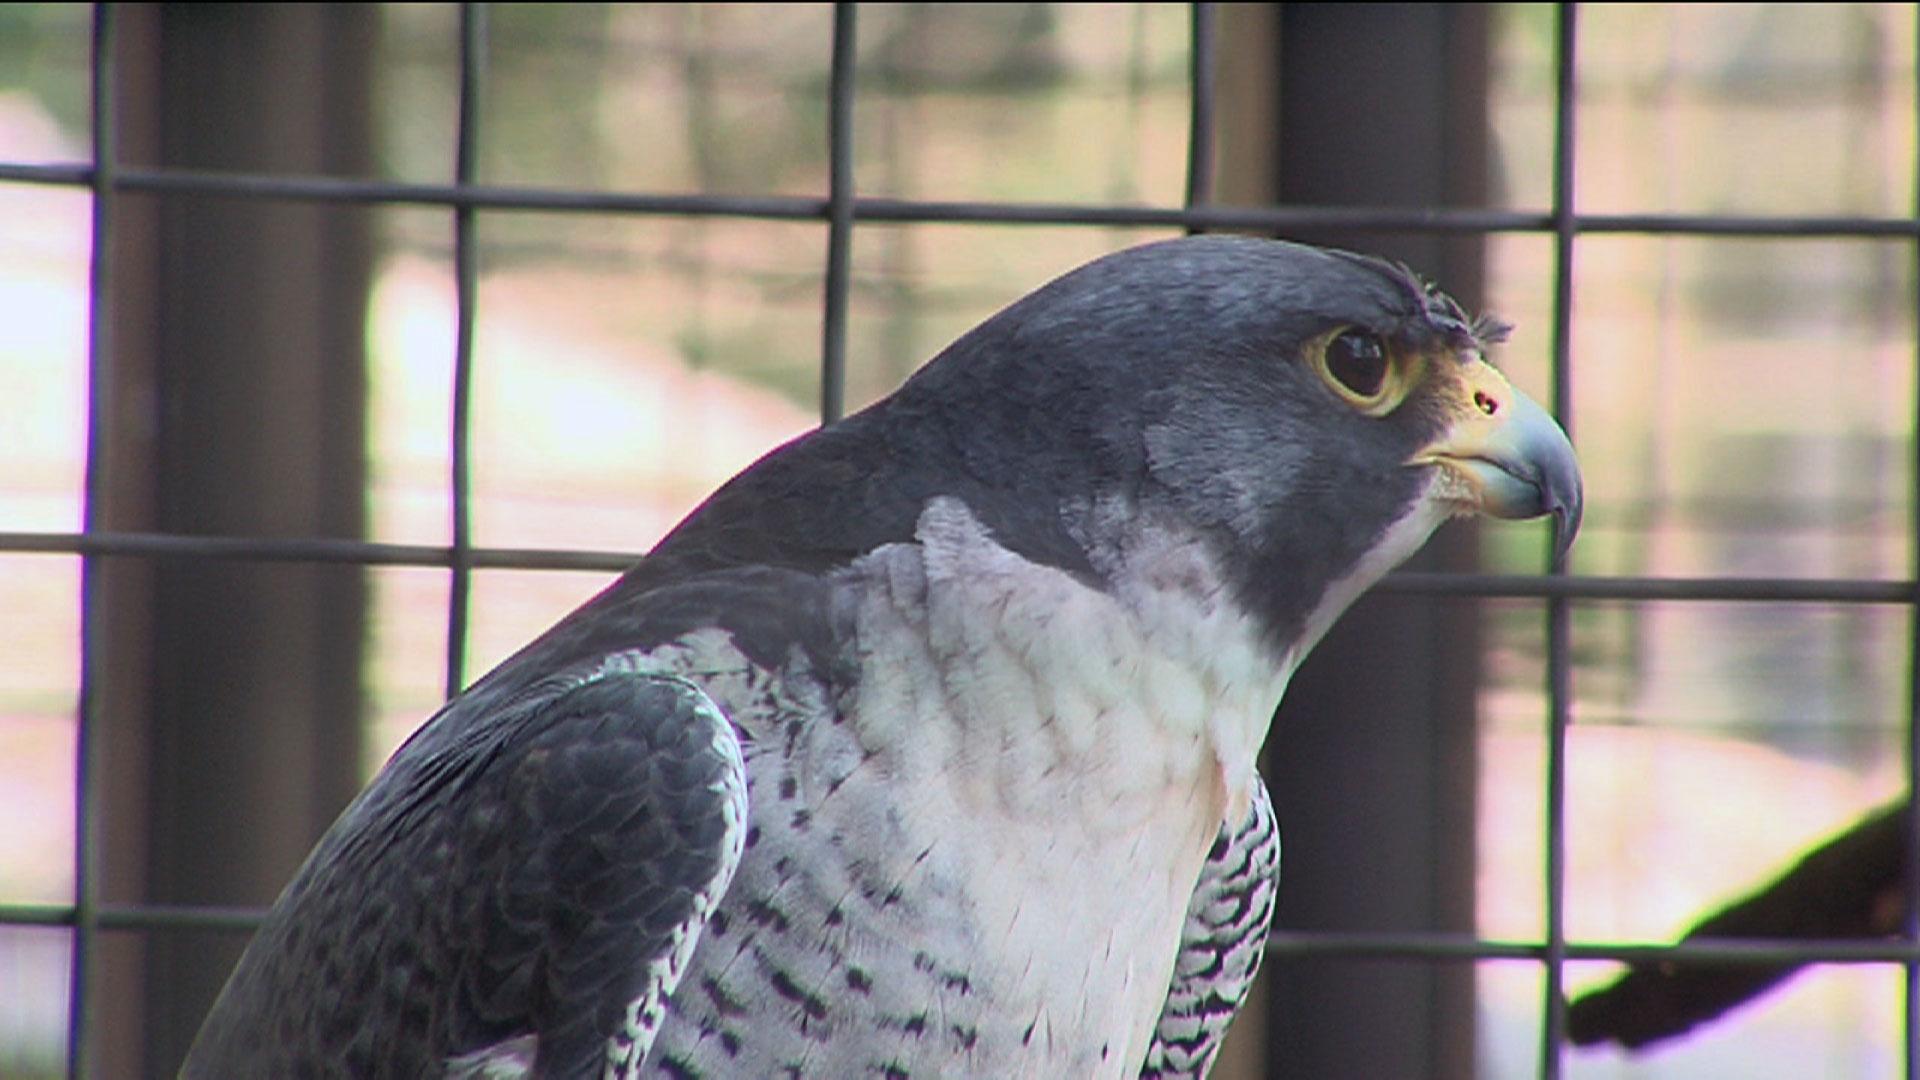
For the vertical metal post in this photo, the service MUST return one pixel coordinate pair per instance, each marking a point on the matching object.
(224, 733)
(840, 192)
(1910, 983)
(466, 277)
(1553, 1027)
(1375, 780)
(100, 402)
(1200, 113)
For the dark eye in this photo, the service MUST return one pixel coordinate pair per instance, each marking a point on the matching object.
(1358, 361)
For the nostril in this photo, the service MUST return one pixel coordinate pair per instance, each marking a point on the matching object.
(1485, 402)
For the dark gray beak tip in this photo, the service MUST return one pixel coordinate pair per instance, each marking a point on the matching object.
(1565, 501)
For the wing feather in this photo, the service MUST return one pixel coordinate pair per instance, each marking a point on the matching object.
(547, 911)
(1221, 945)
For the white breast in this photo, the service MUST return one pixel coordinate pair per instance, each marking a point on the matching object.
(1070, 753)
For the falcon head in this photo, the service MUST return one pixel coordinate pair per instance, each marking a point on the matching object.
(1309, 415)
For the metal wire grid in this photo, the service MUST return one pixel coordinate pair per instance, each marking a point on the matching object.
(842, 209)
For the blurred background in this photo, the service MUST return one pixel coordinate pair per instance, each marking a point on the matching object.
(284, 368)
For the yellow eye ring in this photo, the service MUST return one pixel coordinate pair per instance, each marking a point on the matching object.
(1362, 368)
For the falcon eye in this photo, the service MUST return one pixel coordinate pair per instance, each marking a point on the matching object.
(1358, 361)
(1363, 369)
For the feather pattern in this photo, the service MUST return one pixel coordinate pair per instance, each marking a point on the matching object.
(1221, 946)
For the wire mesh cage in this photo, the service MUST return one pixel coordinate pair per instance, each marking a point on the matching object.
(592, 260)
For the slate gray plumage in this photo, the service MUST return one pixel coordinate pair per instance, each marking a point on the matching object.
(925, 746)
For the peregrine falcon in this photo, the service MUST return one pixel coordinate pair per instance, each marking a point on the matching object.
(926, 745)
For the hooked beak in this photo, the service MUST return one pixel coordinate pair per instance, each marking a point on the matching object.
(1505, 457)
